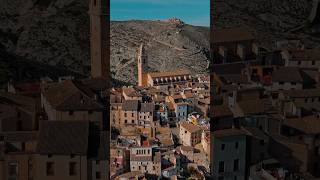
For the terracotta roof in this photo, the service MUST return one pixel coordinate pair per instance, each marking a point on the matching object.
(234, 78)
(131, 175)
(233, 68)
(252, 106)
(147, 107)
(187, 148)
(70, 95)
(26, 103)
(190, 127)
(169, 73)
(130, 105)
(231, 35)
(63, 137)
(287, 74)
(229, 132)
(131, 92)
(308, 124)
(302, 93)
(222, 111)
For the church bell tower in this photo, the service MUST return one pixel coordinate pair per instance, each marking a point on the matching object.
(142, 66)
(99, 38)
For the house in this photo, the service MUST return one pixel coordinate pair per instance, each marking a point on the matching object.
(232, 45)
(146, 114)
(145, 160)
(287, 78)
(229, 156)
(129, 93)
(129, 114)
(168, 78)
(72, 100)
(66, 151)
(190, 134)
(302, 58)
(18, 112)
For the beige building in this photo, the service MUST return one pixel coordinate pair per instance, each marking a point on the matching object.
(168, 78)
(71, 100)
(129, 113)
(145, 160)
(190, 134)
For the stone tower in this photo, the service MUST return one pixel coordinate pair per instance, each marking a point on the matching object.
(142, 65)
(99, 38)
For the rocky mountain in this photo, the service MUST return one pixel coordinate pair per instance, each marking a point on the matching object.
(270, 20)
(169, 46)
(56, 33)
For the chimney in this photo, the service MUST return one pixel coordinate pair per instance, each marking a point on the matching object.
(241, 51)
(224, 53)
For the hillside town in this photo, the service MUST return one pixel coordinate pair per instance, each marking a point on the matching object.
(265, 106)
(160, 128)
(255, 116)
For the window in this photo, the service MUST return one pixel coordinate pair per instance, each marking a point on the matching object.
(236, 165)
(154, 168)
(237, 145)
(262, 142)
(313, 62)
(281, 83)
(72, 168)
(132, 121)
(235, 178)
(125, 121)
(299, 62)
(94, 2)
(98, 175)
(90, 112)
(220, 178)
(139, 167)
(221, 166)
(13, 170)
(50, 168)
(97, 162)
(185, 132)
(132, 115)
(223, 146)
(125, 114)
(293, 83)
(70, 113)
(148, 151)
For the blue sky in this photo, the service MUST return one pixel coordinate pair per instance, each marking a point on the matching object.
(195, 12)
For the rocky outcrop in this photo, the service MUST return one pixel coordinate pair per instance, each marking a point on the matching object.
(169, 46)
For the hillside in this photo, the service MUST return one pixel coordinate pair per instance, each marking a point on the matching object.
(56, 33)
(169, 46)
(270, 20)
